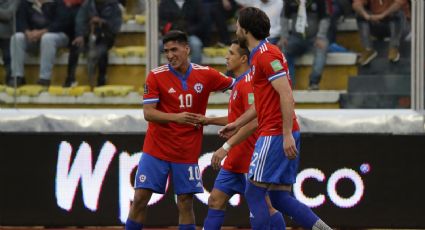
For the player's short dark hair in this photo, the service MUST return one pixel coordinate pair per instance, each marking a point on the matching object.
(243, 50)
(175, 36)
(255, 21)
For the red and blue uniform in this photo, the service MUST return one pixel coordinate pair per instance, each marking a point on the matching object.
(171, 146)
(231, 179)
(269, 163)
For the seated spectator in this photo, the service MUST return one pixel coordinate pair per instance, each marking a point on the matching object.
(34, 25)
(379, 18)
(7, 15)
(339, 10)
(310, 24)
(273, 9)
(67, 12)
(217, 12)
(187, 16)
(97, 24)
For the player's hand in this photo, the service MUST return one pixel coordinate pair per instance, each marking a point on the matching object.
(217, 157)
(289, 147)
(203, 120)
(188, 118)
(228, 130)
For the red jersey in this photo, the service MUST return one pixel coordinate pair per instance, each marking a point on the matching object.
(176, 93)
(241, 98)
(267, 64)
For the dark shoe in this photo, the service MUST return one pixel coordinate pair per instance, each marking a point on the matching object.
(19, 81)
(101, 81)
(43, 82)
(70, 83)
(367, 56)
(313, 87)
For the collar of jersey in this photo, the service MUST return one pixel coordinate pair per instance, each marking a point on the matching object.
(184, 77)
(255, 50)
(238, 78)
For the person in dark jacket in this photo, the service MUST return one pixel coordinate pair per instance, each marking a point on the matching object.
(186, 16)
(7, 21)
(36, 29)
(97, 24)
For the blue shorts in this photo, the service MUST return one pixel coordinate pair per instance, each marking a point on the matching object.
(230, 182)
(269, 163)
(152, 173)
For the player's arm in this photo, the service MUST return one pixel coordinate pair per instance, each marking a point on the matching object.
(231, 128)
(243, 133)
(152, 114)
(222, 121)
(281, 85)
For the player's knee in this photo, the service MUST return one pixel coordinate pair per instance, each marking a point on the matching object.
(141, 199)
(216, 203)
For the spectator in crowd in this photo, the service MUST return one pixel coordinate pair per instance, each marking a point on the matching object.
(217, 12)
(7, 21)
(65, 22)
(310, 24)
(97, 24)
(186, 16)
(379, 18)
(34, 30)
(273, 10)
(339, 10)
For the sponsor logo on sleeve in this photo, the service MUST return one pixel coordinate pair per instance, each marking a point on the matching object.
(276, 66)
(250, 98)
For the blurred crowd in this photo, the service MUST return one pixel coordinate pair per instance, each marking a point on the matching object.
(91, 27)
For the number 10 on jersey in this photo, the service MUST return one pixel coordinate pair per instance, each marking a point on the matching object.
(185, 101)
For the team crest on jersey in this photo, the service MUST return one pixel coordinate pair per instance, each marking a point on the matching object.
(198, 87)
(142, 178)
(253, 70)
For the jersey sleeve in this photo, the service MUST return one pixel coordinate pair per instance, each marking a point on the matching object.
(273, 65)
(151, 92)
(219, 81)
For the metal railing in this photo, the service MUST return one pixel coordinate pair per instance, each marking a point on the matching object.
(151, 35)
(418, 60)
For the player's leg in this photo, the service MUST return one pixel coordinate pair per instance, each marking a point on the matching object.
(255, 195)
(216, 210)
(277, 222)
(300, 213)
(186, 214)
(282, 200)
(226, 185)
(151, 176)
(187, 181)
(262, 162)
(138, 210)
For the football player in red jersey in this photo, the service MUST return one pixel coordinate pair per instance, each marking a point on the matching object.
(238, 149)
(275, 160)
(174, 104)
